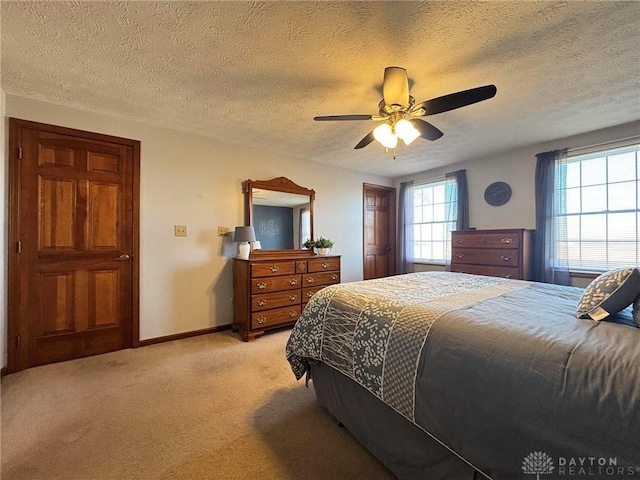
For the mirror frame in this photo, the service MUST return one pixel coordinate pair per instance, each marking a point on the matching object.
(278, 184)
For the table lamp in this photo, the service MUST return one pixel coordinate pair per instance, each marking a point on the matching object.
(244, 235)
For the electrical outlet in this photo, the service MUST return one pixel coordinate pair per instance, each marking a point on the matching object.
(222, 231)
(180, 230)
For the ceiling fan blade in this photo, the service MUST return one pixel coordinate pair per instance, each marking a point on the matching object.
(365, 141)
(395, 87)
(332, 118)
(457, 100)
(426, 130)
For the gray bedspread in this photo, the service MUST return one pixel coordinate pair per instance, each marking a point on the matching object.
(499, 371)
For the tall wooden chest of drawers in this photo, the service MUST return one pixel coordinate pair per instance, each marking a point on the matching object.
(496, 253)
(271, 288)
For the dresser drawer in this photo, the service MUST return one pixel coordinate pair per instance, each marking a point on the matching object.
(504, 272)
(275, 300)
(274, 284)
(272, 268)
(268, 318)
(323, 264)
(485, 240)
(268, 288)
(308, 292)
(485, 256)
(320, 278)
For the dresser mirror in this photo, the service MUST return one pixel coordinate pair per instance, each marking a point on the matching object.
(281, 213)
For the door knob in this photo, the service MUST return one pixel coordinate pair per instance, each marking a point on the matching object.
(123, 258)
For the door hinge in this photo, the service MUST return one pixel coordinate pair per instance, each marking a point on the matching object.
(19, 246)
(19, 153)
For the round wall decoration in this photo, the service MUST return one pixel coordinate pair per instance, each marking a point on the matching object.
(498, 193)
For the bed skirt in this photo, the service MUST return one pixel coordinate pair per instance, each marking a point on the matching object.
(400, 445)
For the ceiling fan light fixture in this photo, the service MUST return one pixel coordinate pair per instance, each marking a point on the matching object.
(385, 135)
(406, 131)
(399, 113)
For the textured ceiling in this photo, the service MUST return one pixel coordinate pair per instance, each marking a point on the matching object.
(255, 73)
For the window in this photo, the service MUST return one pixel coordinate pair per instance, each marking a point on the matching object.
(598, 198)
(434, 217)
(305, 225)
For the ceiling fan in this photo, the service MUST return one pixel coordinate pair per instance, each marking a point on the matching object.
(399, 111)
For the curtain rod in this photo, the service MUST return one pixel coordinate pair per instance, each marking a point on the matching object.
(603, 144)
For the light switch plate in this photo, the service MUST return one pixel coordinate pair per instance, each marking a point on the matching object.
(180, 230)
(223, 231)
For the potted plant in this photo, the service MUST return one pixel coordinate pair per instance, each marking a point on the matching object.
(309, 244)
(323, 245)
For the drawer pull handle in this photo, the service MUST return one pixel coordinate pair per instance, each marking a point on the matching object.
(325, 265)
(293, 314)
(334, 277)
(262, 302)
(275, 268)
(262, 319)
(506, 240)
(459, 255)
(293, 282)
(310, 280)
(507, 275)
(262, 285)
(460, 240)
(504, 258)
(309, 294)
(293, 298)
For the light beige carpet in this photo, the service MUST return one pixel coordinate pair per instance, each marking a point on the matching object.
(208, 407)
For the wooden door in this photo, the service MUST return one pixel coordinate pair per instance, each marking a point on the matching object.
(379, 231)
(73, 278)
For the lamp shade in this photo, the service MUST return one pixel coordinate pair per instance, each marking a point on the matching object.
(244, 234)
(406, 131)
(385, 135)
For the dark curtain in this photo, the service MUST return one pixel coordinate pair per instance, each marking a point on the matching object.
(458, 208)
(462, 213)
(405, 228)
(550, 248)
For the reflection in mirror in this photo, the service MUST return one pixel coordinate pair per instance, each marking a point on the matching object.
(281, 220)
(281, 213)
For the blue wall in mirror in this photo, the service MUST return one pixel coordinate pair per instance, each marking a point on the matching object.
(273, 227)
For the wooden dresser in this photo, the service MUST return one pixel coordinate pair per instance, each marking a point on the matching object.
(497, 253)
(271, 288)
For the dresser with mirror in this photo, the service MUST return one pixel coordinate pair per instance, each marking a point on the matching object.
(272, 287)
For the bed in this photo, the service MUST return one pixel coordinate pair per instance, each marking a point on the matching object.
(453, 376)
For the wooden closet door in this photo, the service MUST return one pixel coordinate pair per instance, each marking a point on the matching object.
(76, 244)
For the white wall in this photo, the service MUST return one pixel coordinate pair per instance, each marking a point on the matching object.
(517, 168)
(4, 137)
(186, 283)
